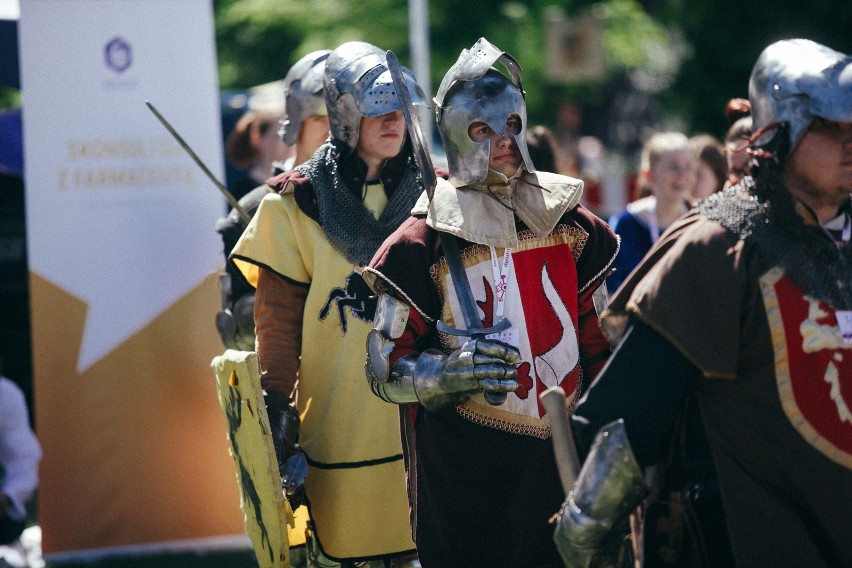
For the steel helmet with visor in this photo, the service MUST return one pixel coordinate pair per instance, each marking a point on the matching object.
(358, 84)
(793, 82)
(474, 91)
(303, 96)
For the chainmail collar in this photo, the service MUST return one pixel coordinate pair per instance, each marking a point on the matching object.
(784, 232)
(350, 227)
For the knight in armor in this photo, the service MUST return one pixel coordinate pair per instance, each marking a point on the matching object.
(304, 128)
(734, 339)
(303, 253)
(487, 299)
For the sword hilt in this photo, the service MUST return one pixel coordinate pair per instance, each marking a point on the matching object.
(493, 398)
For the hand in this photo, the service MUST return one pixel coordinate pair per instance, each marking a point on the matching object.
(482, 365)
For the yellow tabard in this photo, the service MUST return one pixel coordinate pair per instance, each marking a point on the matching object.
(356, 483)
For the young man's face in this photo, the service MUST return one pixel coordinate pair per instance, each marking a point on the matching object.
(819, 171)
(381, 137)
(503, 154)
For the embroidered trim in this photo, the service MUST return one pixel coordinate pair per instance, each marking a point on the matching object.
(382, 280)
(605, 268)
(541, 432)
(576, 241)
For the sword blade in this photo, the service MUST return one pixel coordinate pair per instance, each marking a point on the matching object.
(421, 151)
(224, 190)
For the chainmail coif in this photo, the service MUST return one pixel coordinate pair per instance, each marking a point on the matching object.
(809, 257)
(350, 227)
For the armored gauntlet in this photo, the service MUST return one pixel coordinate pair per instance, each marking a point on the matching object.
(292, 464)
(479, 365)
(433, 378)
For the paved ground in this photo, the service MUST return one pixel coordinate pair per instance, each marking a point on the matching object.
(26, 553)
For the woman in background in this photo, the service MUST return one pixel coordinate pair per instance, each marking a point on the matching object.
(711, 166)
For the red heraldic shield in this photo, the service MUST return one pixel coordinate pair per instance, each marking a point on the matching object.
(547, 281)
(813, 367)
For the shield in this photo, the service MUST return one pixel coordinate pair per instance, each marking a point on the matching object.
(813, 367)
(266, 511)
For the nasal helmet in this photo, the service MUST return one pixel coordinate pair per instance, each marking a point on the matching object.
(795, 81)
(474, 91)
(303, 94)
(358, 84)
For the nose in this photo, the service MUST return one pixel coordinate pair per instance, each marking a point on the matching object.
(502, 139)
(394, 116)
(684, 170)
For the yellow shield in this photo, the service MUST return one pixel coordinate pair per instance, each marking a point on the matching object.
(266, 511)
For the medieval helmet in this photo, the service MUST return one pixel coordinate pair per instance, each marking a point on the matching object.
(795, 81)
(357, 84)
(303, 94)
(474, 91)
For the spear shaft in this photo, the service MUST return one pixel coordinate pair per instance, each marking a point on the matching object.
(228, 195)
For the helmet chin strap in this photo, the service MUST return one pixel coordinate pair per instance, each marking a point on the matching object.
(772, 150)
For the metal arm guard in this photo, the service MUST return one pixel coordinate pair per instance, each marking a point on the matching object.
(414, 379)
(433, 378)
(388, 324)
(608, 488)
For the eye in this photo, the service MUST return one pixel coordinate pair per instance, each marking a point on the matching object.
(479, 132)
(822, 125)
(513, 125)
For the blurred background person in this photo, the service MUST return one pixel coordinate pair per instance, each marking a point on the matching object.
(569, 119)
(304, 128)
(20, 453)
(667, 176)
(253, 146)
(738, 113)
(542, 148)
(711, 165)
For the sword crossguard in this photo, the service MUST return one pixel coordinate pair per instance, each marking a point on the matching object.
(474, 331)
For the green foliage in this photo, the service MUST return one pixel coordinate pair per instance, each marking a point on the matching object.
(691, 57)
(258, 40)
(9, 98)
(726, 38)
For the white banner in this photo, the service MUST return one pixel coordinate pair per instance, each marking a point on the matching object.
(123, 256)
(117, 212)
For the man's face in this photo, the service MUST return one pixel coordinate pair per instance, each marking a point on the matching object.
(381, 137)
(503, 154)
(819, 171)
